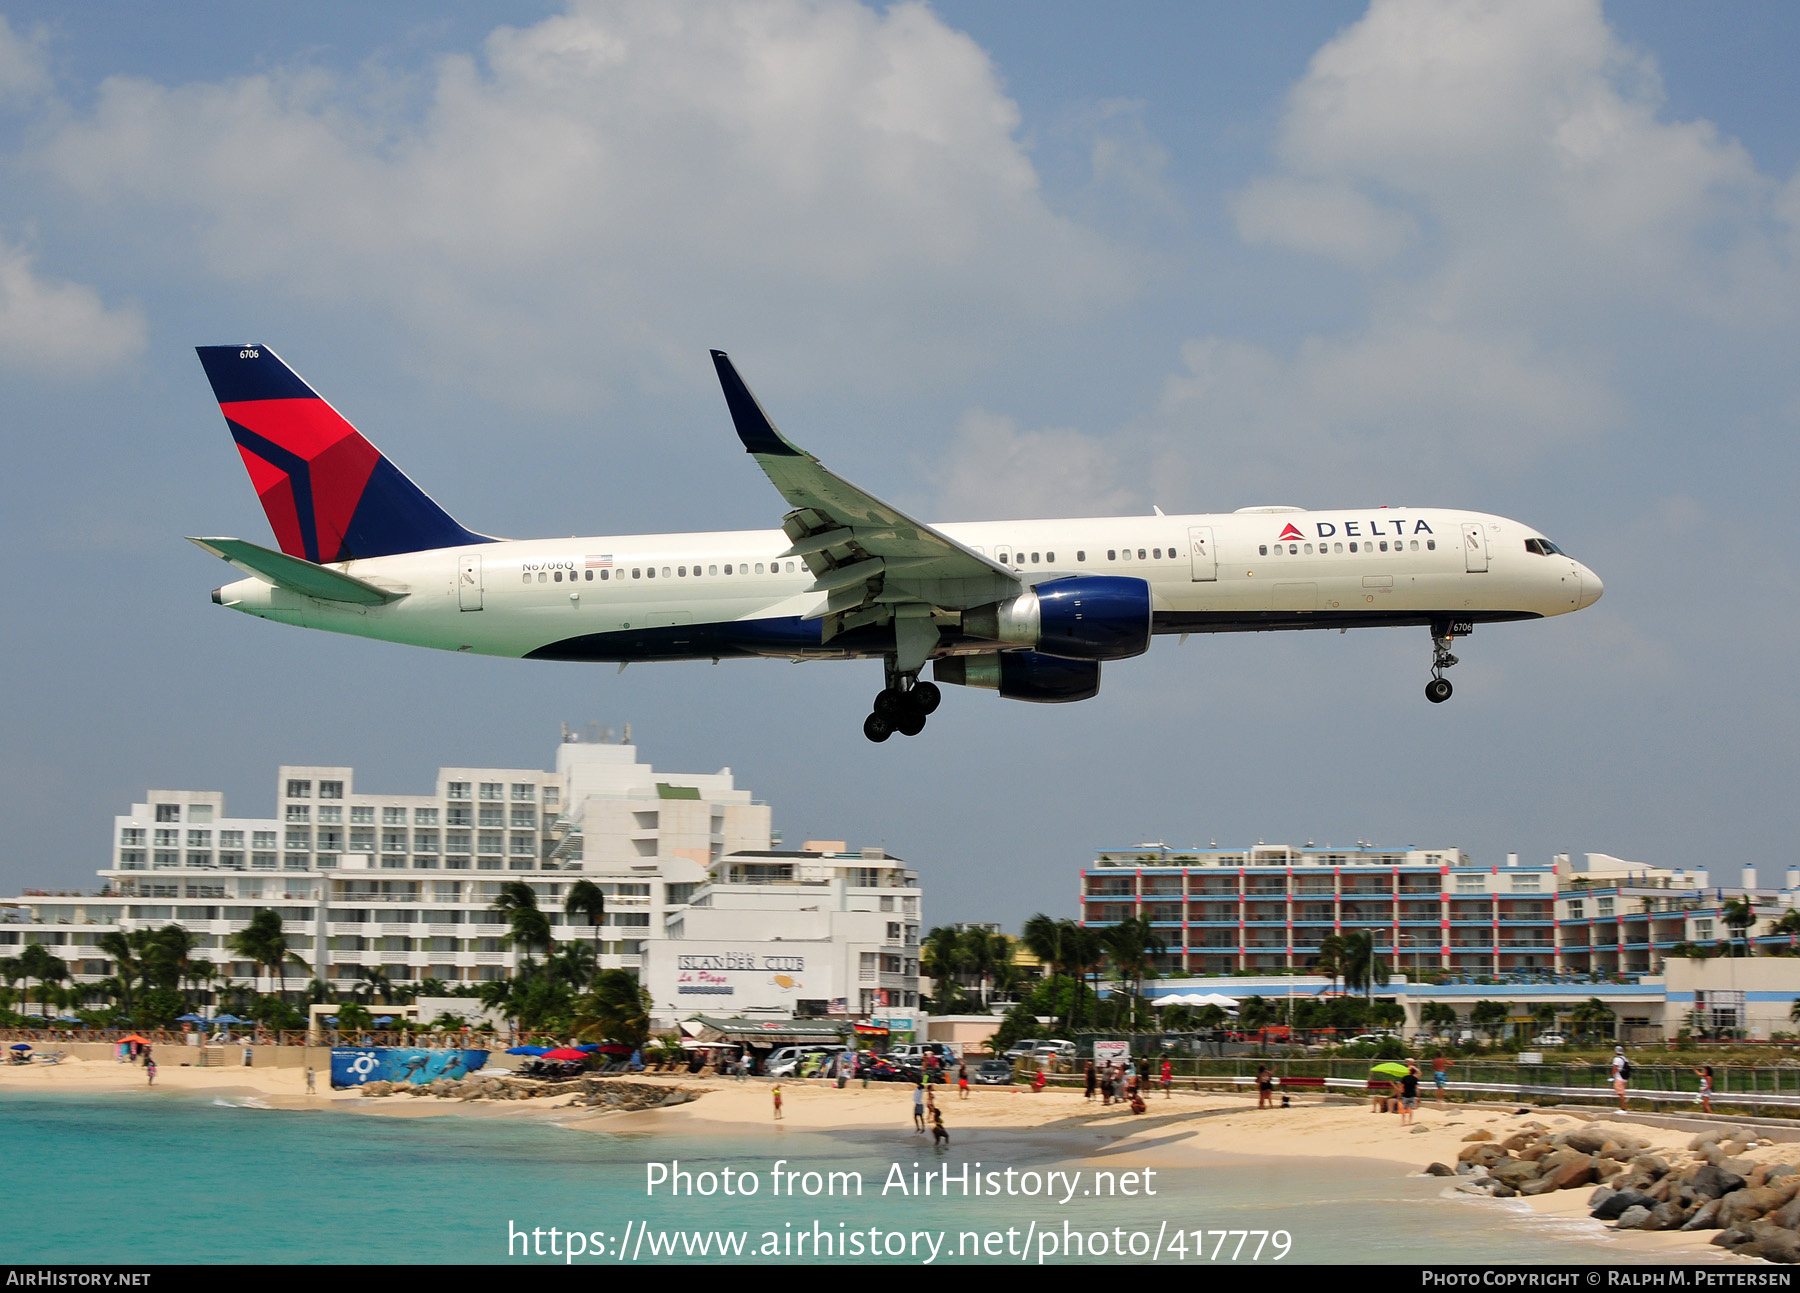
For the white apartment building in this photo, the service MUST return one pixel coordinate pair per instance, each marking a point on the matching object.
(814, 932)
(405, 882)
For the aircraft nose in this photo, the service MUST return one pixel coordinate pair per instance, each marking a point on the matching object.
(1591, 587)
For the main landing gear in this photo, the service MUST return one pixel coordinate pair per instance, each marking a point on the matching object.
(902, 706)
(1438, 690)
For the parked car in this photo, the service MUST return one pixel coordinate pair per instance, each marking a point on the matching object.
(785, 1061)
(992, 1073)
(1549, 1039)
(914, 1053)
(879, 1068)
(1019, 1050)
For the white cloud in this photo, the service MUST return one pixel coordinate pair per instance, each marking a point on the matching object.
(994, 471)
(627, 182)
(59, 329)
(1522, 217)
(24, 67)
(1328, 219)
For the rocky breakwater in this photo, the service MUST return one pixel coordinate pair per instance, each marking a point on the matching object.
(593, 1092)
(1753, 1206)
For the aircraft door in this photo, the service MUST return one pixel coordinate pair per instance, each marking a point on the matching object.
(468, 582)
(1202, 553)
(1475, 553)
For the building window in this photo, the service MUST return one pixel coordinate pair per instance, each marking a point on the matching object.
(1577, 910)
(491, 790)
(363, 815)
(523, 791)
(457, 790)
(493, 816)
(298, 813)
(168, 812)
(393, 817)
(1526, 883)
(1703, 930)
(525, 818)
(425, 817)
(1603, 906)
(1471, 884)
(295, 790)
(331, 790)
(551, 794)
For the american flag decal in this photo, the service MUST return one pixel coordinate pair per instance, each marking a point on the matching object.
(601, 562)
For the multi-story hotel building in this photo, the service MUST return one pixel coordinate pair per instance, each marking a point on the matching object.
(406, 883)
(1267, 908)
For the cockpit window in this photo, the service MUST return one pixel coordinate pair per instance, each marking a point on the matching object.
(1544, 548)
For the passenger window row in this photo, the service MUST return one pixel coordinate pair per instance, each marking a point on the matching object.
(1326, 549)
(667, 572)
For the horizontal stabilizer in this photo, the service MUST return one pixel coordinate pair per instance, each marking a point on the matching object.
(297, 574)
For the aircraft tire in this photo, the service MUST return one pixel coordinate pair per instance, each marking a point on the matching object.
(926, 697)
(877, 728)
(1438, 690)
(910, 723)
(890, 703)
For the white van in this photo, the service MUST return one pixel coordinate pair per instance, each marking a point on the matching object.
(784, 1061)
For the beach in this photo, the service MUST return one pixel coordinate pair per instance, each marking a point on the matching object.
(1182, 1132)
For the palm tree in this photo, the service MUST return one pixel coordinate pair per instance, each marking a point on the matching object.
(585, 899)
(1086, 953)
(1739, 914)
(517, 901)
(575, 964)
(1331, 958)
(38, 962)
(1544, 1016)
(11, 972)
(618, 1009)
(1489, 1016)
(264, 944)
(1438, 1014)
(1592, 1016)
(175, 946)
(118, 949)
(1049, 940)
(1132, 942)
(1363, 966)
(373, 982)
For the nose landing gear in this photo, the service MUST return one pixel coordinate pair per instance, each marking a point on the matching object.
(902, 706)
(1438, 690)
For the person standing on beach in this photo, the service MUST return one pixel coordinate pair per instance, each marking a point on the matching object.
(777, 1090)
(962, 1081)
(309, 1080)
(149, 1070)
(1092, 1081)
(1440, 1074)
(1706, 1085)
(1168, 1080)
(1265, 1087)
(1409, 1093)
(1621, 1073)
(919, 1108)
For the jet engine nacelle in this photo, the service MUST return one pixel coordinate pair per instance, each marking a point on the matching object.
(1022, 675)
(1082, 617)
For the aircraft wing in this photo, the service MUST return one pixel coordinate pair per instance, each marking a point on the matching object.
(868, 557)
(297, 573)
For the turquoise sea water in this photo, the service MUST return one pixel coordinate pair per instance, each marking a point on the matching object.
(152, 1178)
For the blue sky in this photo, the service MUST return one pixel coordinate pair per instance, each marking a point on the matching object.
(1531, 259)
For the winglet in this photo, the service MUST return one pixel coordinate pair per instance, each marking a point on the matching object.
(753, 425)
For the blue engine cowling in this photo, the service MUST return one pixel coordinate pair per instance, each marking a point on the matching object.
(1080, 617)
(1094, 617)
(1022, 675)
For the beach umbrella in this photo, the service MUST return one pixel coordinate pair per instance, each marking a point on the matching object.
(141, 1041)
(588, 1046)
(68, 1019)
(1389, 1069)
(528, 1050)
(1217, 999)
(228, 1019)
(385, 1019)
(21, 1046)
(565, 1053)
(190, 1019)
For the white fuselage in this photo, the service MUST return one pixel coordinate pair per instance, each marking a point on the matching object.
(669, 596)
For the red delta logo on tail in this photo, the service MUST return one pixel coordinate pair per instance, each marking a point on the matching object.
(1289, 532)
(329, 494)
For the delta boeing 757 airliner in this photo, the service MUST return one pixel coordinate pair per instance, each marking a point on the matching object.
(1027, 608)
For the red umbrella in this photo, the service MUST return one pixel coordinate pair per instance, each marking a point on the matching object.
(566, 1053)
